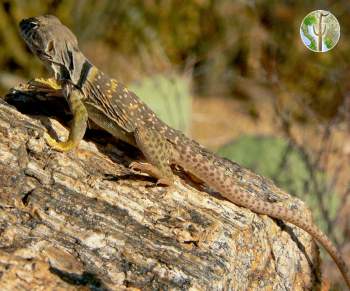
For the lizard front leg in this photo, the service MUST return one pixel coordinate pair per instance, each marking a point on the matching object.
(78, 126)
(158, 152)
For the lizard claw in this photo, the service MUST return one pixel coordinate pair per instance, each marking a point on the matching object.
(58, 146)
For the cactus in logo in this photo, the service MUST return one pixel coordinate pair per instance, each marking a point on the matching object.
(321, 32)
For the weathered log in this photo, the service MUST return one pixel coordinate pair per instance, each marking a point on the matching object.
(84, 220)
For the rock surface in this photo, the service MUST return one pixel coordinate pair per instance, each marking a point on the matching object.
(83, 220)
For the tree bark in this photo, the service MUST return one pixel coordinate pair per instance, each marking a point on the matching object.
(83, 220)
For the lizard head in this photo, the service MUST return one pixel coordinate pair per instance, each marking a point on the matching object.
(54, 44)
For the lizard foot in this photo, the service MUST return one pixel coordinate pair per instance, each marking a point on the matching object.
(59, 146)
(152, 171)
(43, 83)
(193, 178)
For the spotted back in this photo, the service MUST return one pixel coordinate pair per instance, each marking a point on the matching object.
(121, 105)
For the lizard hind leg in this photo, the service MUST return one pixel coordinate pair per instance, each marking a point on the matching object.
(158, 152)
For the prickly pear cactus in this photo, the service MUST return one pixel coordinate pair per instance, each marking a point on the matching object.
(169, 97)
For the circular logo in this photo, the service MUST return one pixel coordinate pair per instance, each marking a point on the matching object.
(320, 31)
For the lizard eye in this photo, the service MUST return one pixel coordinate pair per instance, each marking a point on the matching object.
(50, 47)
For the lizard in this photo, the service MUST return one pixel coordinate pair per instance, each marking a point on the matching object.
(91, 94)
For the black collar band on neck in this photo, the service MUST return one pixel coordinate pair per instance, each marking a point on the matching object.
(84, 73)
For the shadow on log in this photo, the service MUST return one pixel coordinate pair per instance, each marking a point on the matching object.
(85, 221)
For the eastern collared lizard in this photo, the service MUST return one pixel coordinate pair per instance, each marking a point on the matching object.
(93, 95)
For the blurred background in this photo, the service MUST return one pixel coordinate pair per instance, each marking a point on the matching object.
(233, 75)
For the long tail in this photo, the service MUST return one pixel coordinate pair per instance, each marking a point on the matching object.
(287, 215)
(217, 173)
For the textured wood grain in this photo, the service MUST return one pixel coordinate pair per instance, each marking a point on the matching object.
(84, 220)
